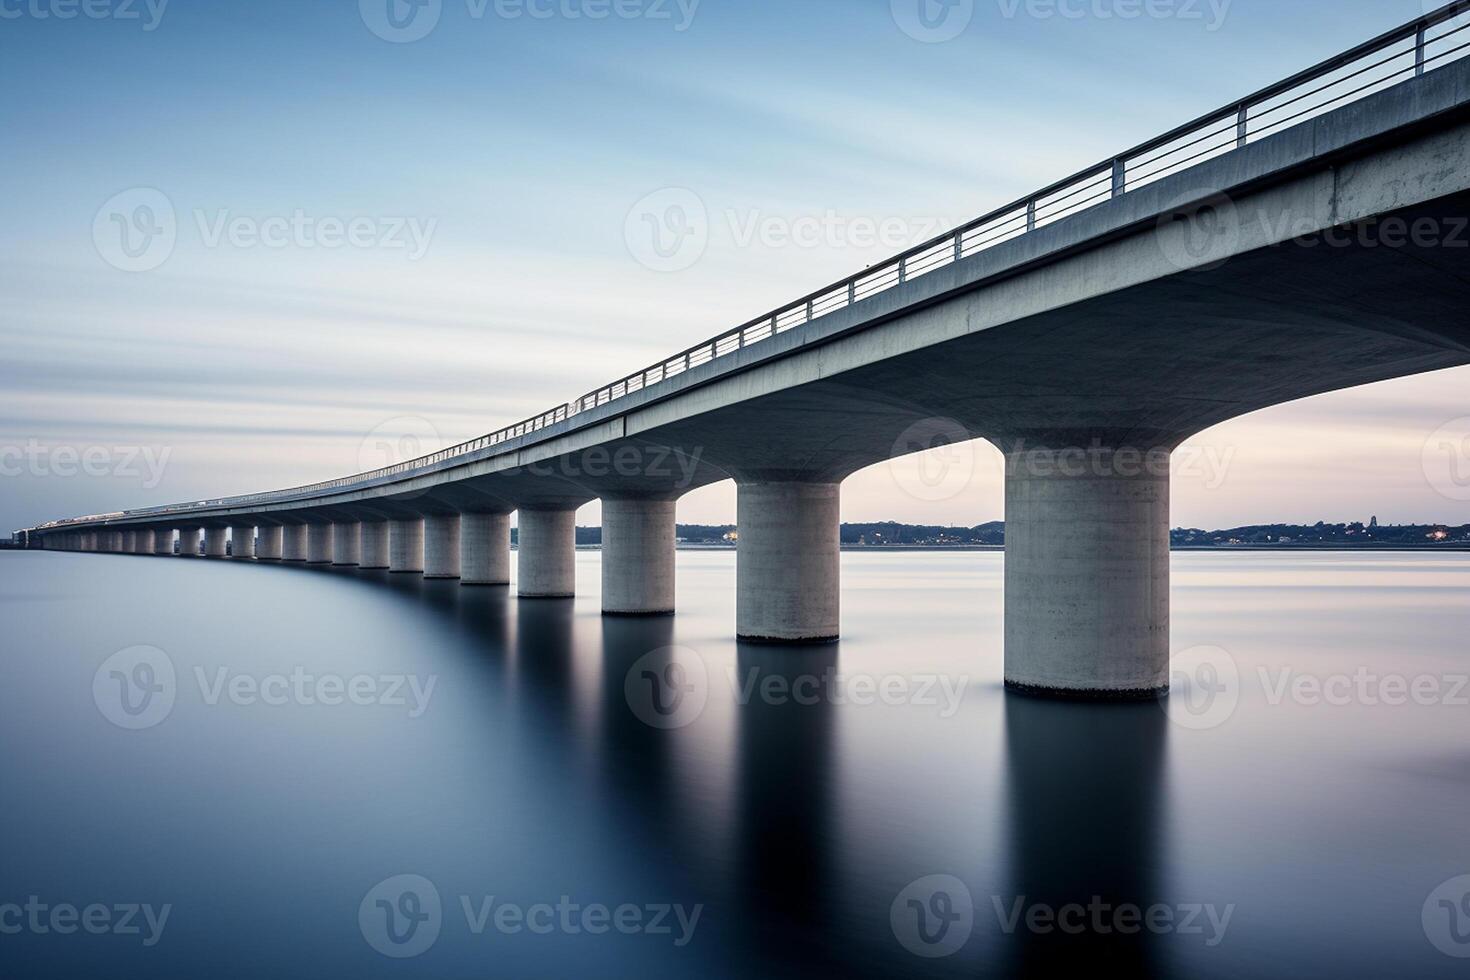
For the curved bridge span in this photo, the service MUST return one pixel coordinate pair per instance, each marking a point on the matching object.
(1086, 330)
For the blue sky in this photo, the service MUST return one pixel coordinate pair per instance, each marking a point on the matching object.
(492, 165)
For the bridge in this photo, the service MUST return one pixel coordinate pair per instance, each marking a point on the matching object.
(1306, 238)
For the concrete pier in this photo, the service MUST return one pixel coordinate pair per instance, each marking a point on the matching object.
(189, 542)
(215, 542)
(1087, 572)
(406, 545)
(319, 544)
(547, 548)
(143, 542)
(271, 543)
(374, 544)
(637, 556)
(130, 542)
(484, 548)
(346, 543)
(786, 562)
(293, 542)
(441, 546)
(242, 541)
(163, 541)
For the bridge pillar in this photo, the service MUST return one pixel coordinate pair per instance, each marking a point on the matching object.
(637, 556)
(484, 549)
(163, 541)
(547, 553)
(143, 541)
(441, 546)
(215, 542)
(406, 545)
(271, 542)
(242, 541)
(293, 542)
(130, 542)
(319, 544)
(374, 547)
(346, 543)
(189, 542)
(1087, 572)
(786, 562)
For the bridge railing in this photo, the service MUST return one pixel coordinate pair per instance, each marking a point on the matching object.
(1412, 49)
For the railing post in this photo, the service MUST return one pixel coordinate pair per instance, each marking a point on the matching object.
(1241, 125)
(851, 291)
(1119, 176)
(903, 270)
(1419, 51)
(1031, 215)
(808, 311)
(959, 245)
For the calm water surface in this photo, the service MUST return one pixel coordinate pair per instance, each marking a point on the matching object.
(794, 811)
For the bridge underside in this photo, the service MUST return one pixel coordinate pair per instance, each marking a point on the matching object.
(1086, 370)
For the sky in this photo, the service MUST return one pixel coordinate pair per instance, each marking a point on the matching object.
(352, 230)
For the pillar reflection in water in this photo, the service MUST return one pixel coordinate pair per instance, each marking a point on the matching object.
(1087, 801)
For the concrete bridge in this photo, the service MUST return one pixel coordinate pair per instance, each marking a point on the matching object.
(1310, 237)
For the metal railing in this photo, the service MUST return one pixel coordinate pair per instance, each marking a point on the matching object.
(1407, 51)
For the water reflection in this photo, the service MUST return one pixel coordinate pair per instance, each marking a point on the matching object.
(1085, 799)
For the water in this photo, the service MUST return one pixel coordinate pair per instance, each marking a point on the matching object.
(1321, 828)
